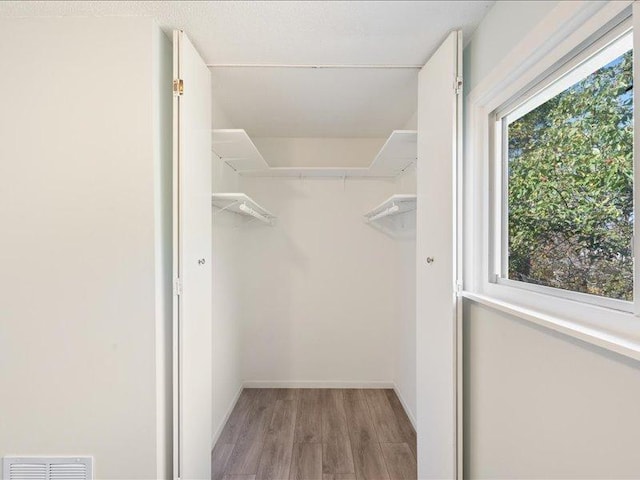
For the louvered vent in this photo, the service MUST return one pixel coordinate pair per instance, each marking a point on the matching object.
(48, 468)
(68, 471)
(26, 471)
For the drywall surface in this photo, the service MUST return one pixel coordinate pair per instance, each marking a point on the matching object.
(79, 249)
(319, 286)
(538, 404)
(541, 405)
(405, 320)
(506, 23)
(219, 116)
(412, 122)
(227, 378)
(318, 152)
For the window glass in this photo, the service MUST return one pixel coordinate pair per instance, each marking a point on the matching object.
(569, 185)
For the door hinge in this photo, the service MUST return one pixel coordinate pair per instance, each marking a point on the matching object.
(177, 287)
(458, 85)
(178, 87)
(459, 288)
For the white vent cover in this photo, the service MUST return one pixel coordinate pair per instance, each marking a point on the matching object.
(48, 468)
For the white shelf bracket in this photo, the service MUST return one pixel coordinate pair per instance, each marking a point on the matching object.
(225, 208)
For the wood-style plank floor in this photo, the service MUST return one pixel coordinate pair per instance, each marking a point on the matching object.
(316, 434)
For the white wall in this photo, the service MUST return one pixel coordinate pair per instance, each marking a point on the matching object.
(84, 250)
(226, 355)
(412, 123)
(541, 405)
(538, 404)
(318, 152)
(405, 320)
(318, 289)
(506, 23)
(219, 116)
(405, 357)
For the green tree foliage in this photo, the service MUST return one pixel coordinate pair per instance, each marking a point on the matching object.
(570, 187)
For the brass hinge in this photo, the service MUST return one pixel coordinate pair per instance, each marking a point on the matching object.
(178, 87)
(458, 85)
(177, 287)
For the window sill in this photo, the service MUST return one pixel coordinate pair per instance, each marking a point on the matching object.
(615, 343)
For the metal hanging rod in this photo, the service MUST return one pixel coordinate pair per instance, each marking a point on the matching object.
(253, 213)
(317, 66)
(385, 213)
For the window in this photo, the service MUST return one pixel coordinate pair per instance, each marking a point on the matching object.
(566, 168)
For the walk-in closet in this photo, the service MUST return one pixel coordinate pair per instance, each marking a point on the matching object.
(314, 255)
(331, 199)
(314, 273)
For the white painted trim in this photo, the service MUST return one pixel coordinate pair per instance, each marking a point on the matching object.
(316, 65)
(555, 36)
(223, 422)
(623, 346)
(604, 302)
(317, 384)
(412, 419)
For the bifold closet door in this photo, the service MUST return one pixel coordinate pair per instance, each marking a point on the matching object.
(437, 350)
(192, 263)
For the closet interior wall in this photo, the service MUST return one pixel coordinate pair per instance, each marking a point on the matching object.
(404, 334)
(319, 290)
(405, 331)
(226, 251)
(321, 298)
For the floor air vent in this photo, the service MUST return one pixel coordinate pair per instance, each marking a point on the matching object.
(47, 468)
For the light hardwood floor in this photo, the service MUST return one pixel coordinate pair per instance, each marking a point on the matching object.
(316, 434)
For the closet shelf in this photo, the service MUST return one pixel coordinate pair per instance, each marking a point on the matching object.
(394, 205)
(398, 153)
(235, 148)
(241, 204)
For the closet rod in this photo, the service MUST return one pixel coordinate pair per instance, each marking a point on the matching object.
(253, 213)
(318, 66)
(385, 213)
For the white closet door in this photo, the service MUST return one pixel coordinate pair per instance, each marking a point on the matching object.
(192, 262)
(438, 150)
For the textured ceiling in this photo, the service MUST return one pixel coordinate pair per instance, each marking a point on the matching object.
(292, 102)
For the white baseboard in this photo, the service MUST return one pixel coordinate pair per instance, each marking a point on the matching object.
(406, 408)
(316, 384)
(223, 422)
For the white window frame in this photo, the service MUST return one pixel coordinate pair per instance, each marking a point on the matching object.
(549, 47)
(604, 49)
